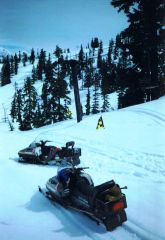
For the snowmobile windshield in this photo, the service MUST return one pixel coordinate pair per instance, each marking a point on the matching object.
(33, 144)
(69, 165)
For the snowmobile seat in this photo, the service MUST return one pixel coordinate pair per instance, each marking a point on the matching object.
(85, 189)
(103, 187)
(45, 150)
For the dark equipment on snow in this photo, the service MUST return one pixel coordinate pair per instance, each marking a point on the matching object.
(41, 153)
(104, 203)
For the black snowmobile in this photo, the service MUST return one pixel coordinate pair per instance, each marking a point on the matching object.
(42, 153)
(104, 203)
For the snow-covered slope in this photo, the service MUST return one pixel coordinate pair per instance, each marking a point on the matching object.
(130, 150)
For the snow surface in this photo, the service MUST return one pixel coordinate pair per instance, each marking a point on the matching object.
(130, 150)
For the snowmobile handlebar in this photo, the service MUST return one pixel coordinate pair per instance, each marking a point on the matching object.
(125, 187)
(42, 141)
(79, 169)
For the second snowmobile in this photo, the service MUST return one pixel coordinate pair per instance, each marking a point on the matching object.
(43, 153)
(104, 203)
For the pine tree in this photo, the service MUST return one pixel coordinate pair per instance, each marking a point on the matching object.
(99, 57)
(142, 41)
(94, 44)
(41, 64)
(46, 104)
(19, 57)
(88, 75)
(116, 47)
(95, 105)
(60, 92)
(106, 104)
(16, 62)
(46, 95)
(88, 107)
(5, 72)
(30, 103)
(38, 120)
(34, 74)
(24, 59)
(13, 110)
(11, 59)
(32, 56)
(16, 110)
(110, 52)
(58, 52)
(81, 55)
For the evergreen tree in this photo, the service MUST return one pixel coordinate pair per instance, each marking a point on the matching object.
(16, 62)
(30, 103)
(38, 120)
(88, 74)
(11, 60)
(101, 47)
(32, 56)
(99, 59)
(41, 64)
(94, 44)
(110, 52)
(34, 74)
(47, 93)
(81, 55)
(116, 47)
(88, 107)
(95, 105)
(24, 59)
(106, 104)
(60, 93)
(5, 72)
(58, 52)
(19, 57)
(17, 107)
(46, 105)
(141, 39)
(13, 110)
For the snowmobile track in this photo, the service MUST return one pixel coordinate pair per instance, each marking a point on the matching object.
(140, 231)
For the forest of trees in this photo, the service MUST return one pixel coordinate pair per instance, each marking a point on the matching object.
(143, 42)
(133, 65)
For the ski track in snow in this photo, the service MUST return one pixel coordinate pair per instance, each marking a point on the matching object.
(140, 231)
(156, 116)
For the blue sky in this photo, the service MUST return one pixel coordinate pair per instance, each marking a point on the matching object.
(67, 23)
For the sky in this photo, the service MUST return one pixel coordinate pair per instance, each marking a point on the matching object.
(67, 23)
(130, 150)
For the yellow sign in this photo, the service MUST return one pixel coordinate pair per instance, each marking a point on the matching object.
(100, 123)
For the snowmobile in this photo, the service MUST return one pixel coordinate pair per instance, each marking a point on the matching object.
(104, 203)
(42, 153)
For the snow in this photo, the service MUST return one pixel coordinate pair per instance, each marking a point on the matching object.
(130, 150)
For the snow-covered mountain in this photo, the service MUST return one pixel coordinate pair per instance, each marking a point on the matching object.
(130, 150)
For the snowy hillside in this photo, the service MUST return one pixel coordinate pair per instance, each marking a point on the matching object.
(130, 150)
